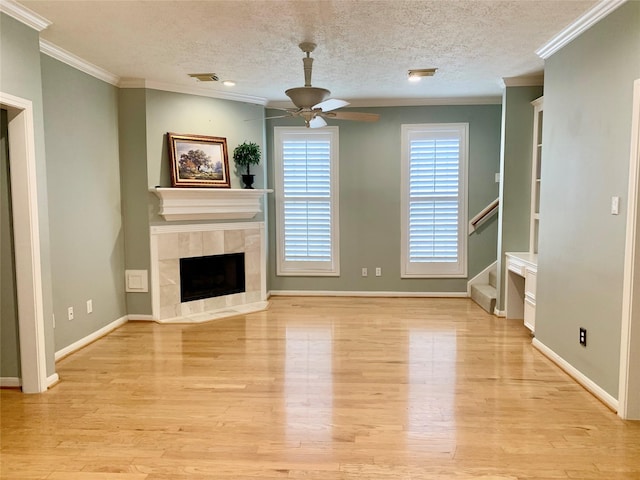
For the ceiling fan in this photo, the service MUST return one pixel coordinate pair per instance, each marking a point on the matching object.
(312, 103)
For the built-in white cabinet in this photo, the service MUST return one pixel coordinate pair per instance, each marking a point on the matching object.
(520, 288)
(522, 267)
(530, 297)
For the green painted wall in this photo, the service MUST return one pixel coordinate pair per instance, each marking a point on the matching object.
(192, 114)
(83, 174)
(20, 75)
(586, 145)
(369, 193)
(9, 330)
(515, 177)
(132, 124)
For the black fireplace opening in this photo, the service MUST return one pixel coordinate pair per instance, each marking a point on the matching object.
(211, 276)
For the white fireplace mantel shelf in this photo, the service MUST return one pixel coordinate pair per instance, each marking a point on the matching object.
(209, 203)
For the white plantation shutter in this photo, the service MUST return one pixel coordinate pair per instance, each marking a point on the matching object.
(307, 200)
(434, 200)
(306, 192)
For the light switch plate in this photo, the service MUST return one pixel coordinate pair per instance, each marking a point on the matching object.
(615, 205)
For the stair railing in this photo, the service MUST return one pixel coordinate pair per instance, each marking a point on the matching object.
(483, 215)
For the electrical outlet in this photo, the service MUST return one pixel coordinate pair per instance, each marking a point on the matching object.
(364, 271)
(70, 313)
(583, 337)
(89, 306)
(378, 272)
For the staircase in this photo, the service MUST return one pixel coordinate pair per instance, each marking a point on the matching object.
(484, 294)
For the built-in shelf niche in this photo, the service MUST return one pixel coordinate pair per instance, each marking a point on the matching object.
(180, 204)
(536, 168)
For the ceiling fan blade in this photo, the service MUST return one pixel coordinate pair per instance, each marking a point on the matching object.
(317, 122)
(331, 104)
(279, 116)
(357, 116)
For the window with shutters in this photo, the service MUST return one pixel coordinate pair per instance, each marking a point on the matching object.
(434, 200)
(306, 188)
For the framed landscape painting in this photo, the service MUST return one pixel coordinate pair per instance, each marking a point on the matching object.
(198, 161)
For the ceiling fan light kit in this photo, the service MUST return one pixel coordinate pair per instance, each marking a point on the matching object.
(307, 95)
(312, 103)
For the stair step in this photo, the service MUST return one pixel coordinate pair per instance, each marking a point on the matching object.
(484, 295)
(492, 277)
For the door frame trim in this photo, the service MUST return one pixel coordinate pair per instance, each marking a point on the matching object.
(22, 159)
(629, 385)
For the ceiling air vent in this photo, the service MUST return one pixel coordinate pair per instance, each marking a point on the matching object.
(205, 77)
(418, 73)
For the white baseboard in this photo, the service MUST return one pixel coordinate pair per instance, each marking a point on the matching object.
(16, 382)
(10, 382)
(52, 380)
(83, 342)
(499, 313)
(333, 293)
(577, 375)
(140, 318)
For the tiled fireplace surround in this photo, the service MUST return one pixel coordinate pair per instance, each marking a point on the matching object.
(170, 243)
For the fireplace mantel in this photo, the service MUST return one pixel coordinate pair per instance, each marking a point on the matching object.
(209, 203)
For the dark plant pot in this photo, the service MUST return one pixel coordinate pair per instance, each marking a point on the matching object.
(248, 181)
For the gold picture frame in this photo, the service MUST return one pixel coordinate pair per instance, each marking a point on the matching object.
(198, 161)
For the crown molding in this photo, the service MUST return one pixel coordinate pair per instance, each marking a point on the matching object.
(586, 21)
(203, 92)
(523, 81)
(76, 62)
(24, 15)
(406, 102)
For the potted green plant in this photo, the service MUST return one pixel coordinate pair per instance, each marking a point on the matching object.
(245, 155)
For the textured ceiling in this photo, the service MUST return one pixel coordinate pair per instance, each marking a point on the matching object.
(365, 47)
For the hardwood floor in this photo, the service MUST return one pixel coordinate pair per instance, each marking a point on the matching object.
(317, 389)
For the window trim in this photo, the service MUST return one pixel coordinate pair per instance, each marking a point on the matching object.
(435, 270)
(309, 269)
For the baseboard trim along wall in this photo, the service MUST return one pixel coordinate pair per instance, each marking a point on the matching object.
(331, 293)
(578, 376)
(141, 318)
(83, 342)
(16, 382)
(10, 382)
(52, 380)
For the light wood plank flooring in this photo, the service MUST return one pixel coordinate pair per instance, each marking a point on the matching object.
(317, 389)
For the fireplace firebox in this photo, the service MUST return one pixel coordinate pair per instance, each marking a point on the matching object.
(211, 276)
